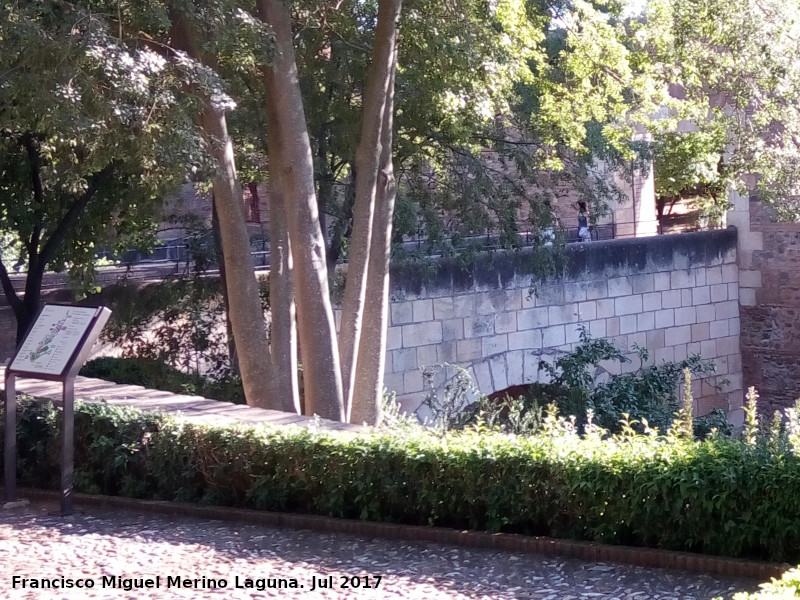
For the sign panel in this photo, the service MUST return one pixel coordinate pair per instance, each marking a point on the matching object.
(53, 339)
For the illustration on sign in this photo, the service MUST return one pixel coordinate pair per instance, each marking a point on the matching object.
(53, 339)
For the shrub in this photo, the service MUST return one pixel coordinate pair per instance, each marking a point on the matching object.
(718, 496)
(788, 586)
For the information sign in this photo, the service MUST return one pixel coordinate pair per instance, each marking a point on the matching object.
(55, 348)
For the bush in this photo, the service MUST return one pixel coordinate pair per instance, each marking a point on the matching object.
(718, 496)
(154, 374)
(788, 586)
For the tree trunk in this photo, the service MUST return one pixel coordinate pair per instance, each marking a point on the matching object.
(247, 317)
(371, 357)
(290, 161)
(283, 330)
(223, 281)
(378, 106)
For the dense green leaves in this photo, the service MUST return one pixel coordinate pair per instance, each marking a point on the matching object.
(719, 496)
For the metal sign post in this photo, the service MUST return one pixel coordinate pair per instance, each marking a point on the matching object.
(55, 348)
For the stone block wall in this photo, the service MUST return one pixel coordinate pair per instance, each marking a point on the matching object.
(769, 258)
(675, 295)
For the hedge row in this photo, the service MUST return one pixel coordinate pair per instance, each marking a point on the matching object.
(718, 496)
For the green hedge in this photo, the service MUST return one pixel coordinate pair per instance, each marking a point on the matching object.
(788, 586)
(719, 496)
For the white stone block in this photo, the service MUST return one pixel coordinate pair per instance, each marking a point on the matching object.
(646, 321)
(627, 324)
(532, 318)
(733, 291)
(678, 335)
(661, 281)
(478, 326)
(452, 329)
(402, 312)
(701, 295)
(681, 279)
(468, 350)
(394, 338)
(597, 328)
(628, 305)
(747, 297)
(671, 299)
(423, 310)
(443, 308)
(404, 359)
(412, 381)
(727, 310)
(750, 279)
(714, 275)
(566, 313)
(553, 336)
(494, 344)
(706, 313)
(686, 297)
(651, 301)
(464, 305)
(497, 366)
(734, 326)
(719, 329)
(587, 311)
(665, 318)
(505, 322)
(483, 377)
(605, 308)
(427, 356)
(719, 292)
(619, 286)
(708, 348)
(525, 340)
(685, 316)
(730, 273)
(421, 334)
(515, 371)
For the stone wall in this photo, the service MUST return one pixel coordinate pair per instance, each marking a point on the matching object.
(769, 258)
(675, 295)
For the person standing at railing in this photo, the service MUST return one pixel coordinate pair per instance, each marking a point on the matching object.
(584, 233)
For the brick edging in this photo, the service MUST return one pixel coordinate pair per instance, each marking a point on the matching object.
(510, 542)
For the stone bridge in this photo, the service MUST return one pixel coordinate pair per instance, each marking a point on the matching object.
(675, 295)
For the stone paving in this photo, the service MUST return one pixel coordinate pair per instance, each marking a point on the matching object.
(184, 555)
(194, 409)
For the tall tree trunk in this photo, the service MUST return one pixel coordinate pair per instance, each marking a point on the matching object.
(290, 161)
(247, 317)
(371, 356)
(223, 280)
(283, 330)
(377, 108)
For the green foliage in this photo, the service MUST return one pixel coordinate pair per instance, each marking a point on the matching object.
(155, 374)
(728, 70)
(717, 496)
(93, 134)
(788, 586)
(647, 395)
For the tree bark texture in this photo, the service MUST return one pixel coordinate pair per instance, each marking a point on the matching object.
(377, 102)
(283, 331)
(290, 161)
(247, 316)
(371, 357)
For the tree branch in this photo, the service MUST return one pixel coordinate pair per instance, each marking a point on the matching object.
(73, 214)
(8, 288)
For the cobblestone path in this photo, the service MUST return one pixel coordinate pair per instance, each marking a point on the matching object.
(129, 548)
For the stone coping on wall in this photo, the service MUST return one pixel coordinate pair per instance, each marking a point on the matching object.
(501, 269)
